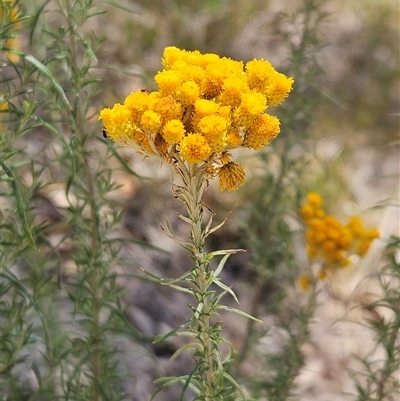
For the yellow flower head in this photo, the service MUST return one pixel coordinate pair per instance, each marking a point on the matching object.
(150, 121)
(259, 75)
(204, 107)
(168, 108)
(305, 282)
(3, 103)
(214, 129)
(355, 226)
(168, 81)
(188, 93)
(193, 73)
(262, 77)
(9, 14)
(171, 55)
(280, 88)
(232, 91)
(231, 176)
(118, 124)
(137, 103)
(330, 240)
(173, 131)
(216, 73)
(234, 139)
(194, 148)
(314, 199)
(253, 103)
(261, 132)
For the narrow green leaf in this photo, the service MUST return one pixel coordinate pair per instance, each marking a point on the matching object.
(239, 312)
(20, 206)
(162, 337)
(186, 334)
(221, 285)
(184, 218)
(66, 144)
(45, 71)
(88, 48)
(134, 241)
(8, 155)
(189, 381)
(122, 70)
(169, 381)
(121, 315)
(121, 6)
(181, 289)
(225, 252)
(212, 230)
(166, 281)
(14, 281)
(221, 265)
(36, 20)
(186, 347)
(169, 234)
(236, 384)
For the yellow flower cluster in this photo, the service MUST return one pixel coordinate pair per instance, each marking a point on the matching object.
(205, 106)
(330, 240)
(9, 15)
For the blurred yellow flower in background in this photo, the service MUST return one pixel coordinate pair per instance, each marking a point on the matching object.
(9, 17)
(331, 241)
(206, 105)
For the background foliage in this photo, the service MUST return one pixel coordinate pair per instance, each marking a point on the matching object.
(79, 217)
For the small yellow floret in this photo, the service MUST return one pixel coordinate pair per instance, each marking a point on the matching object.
(307, 212)
(9, 14)
(226, 157)
(232, 91)
(314, 199)
(137, 103)
(234, 139)
(216, 73)
(150, 121)
(259, 75)
(194, 148)
(372, 233)
(305, 282)
(262, 131)
(322, 275)
(231, 176)
(355, 226)
(280, 88)
(329, 239)
(173, 131)
(168, 81)
(196, 74)
(171, 55)
(168, 108)
(205, 107)
(3, 103)
(117, 122)
(188, 93)
(253, 103)
(214, 129)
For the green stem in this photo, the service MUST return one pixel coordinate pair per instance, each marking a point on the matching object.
(195, 183)
(78, 125)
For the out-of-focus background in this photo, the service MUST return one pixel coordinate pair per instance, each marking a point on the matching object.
(347, 149)
(354, 136)
(356, 119)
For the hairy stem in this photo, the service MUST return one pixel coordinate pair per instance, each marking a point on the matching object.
(195, 182)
